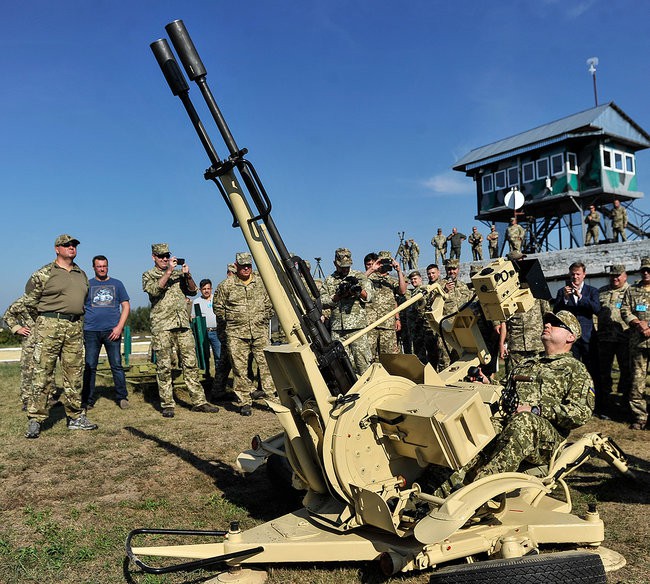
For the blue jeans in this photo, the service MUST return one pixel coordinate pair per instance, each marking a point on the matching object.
(213, 339)
(93, 341)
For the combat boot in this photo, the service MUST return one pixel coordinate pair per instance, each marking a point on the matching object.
(81, 423)
(258, 394)
(33, 429)
(206, 408)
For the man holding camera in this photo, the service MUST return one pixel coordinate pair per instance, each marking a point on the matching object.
(383, 338)
(346, 293)
(170, 327)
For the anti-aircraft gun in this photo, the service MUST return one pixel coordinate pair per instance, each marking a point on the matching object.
(360, 446)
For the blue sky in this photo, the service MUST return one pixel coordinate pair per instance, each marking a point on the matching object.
(353, 113)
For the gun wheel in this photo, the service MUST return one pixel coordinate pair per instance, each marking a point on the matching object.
(557, 568)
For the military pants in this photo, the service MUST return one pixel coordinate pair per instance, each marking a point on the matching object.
(619, 231)
(477, 253)
(640, 359)
(441, 256)
(27, 367)
(239, 350)
(454, 253)
(382, 341)
(494, 252)
(222, 367)
(179, 342)
(526, 437)
(593, 234)
(56, 339)
(359, 351)
(607, 350)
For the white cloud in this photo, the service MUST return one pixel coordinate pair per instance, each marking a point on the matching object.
(449, 183)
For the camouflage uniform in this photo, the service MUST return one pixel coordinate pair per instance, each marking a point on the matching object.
(383, 338)
(563, 391)
(425, 339)
(475, 239)
(348, 315)
(456, 298)
(415, 255)
(16, 317)
(54, 290)
(493, 244)
(171, 334)
(613, 341)
(439, 242)
(619, 223)
(244, 312)
(636, 305)
(524, 331)
(593, 227)
(404, 253)
(515, 236)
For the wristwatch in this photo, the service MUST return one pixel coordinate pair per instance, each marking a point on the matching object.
(535, 410)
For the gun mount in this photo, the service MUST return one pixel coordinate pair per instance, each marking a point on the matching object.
(360, 447)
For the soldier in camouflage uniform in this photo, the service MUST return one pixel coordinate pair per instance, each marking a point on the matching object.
(458, 294)
(515, 235)
(244, 311)
(493, 242)
(415, 254)
(404, 253)
(613, 339)
(21, 323)
(168, 289)
(520, 338)
(383, 338)
(455, 240)
(57, 292)
(475, 240)
(439, 242)
(592, 221)
(635, 311)
(619, 221)
(346, 293)
(557, 397)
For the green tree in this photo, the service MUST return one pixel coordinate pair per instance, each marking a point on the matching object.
(139, 320)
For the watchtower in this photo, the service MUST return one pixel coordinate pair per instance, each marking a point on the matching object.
(561, 168)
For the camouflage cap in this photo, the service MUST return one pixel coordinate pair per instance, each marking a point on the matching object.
(385, 255)
(65, 238)
(343, 257)
(515, 255)
(645, 262)
(232, 268)
(159, 248)
(452, 263)
(415, 273)
(565, 319)
(244, 258)
(617, 269)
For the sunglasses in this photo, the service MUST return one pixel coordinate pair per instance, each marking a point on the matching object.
(558, 324)
(645, 269)
(163, 256)
(69, 244)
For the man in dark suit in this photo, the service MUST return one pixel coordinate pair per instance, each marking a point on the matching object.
(581, 300)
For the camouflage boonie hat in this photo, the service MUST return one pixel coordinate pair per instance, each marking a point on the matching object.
(385, 255)
(244, 258)
(617, 269)
(65, 238)
(343, 257)
(452, 263)
(645, 262)
(232, 268)
(415, 273)
(566, 319)
(515, 255)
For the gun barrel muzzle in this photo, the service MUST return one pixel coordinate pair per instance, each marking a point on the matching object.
(169, 67)
(187, 53)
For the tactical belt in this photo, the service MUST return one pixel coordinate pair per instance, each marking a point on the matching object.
(61, 316)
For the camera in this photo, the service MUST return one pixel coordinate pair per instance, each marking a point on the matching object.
(180, 261)
(386, 265)
(349, 287)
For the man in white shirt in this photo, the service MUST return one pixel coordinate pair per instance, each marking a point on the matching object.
(204, 302)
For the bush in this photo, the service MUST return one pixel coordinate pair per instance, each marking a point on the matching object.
(8, 339)
(139, 320)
